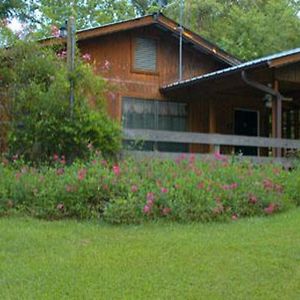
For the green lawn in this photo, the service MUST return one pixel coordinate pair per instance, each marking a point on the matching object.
(257, 258)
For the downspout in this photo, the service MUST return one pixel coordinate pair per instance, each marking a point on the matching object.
(274, 93)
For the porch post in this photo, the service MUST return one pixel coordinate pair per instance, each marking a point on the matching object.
(277, 119)
(212, 124)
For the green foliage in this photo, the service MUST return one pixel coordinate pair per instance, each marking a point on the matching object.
(38, 85)
(185, 190)
(247, 29)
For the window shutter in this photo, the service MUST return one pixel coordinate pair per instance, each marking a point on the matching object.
(145, 58)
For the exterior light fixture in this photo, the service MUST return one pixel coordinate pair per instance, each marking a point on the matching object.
(267, 101)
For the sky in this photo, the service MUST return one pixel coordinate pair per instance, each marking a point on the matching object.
(15, 25)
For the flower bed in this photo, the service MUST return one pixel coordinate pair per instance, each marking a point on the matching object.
(183, 190)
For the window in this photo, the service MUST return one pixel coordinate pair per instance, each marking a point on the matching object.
(145, 54)
(157, 115)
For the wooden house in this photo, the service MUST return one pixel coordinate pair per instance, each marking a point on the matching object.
(218, 104)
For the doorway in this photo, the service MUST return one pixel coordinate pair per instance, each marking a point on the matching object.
(246, 123)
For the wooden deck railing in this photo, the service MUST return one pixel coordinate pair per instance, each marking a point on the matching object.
(216, 140)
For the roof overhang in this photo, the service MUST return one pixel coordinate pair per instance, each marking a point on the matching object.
(158, 19)
(264, 66)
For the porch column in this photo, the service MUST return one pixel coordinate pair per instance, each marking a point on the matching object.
(212, 124)
(277, 119)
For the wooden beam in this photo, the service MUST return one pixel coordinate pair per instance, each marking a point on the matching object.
(278, 117)
(284, 60)
(208, 139)
(212, 123)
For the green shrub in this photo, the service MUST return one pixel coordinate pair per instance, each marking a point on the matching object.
(185, 190)
(42, 121)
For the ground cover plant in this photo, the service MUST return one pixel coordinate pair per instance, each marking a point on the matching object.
(130, 191)
(253, 258)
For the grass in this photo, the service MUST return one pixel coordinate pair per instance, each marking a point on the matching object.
(255, 258)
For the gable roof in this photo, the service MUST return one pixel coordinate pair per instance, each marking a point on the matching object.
(270, 61)
(162, 22)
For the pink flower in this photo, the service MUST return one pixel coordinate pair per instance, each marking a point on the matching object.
(86, 57)
(90, 146)
(134, 188)
(106, 65)
(220, 157)
(116, 170)
(271, 208)
(81, 174)
(55, 157)
(166, 211)
(234, 217)
(164, 190)
(147, 209)
(62, 54)
(63, 160)
(104, 163)
(60, 171)
(18, 175)
(232, 186)
(252, 199)
(200, 186)
(150, 196)
(192, 159)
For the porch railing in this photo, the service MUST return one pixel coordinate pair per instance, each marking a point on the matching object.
(216, 140)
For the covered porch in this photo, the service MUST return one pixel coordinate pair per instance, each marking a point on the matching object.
(252, 108)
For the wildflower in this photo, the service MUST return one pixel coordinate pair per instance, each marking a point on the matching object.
(81, 174)
(166, 211)
(147, 209)
(234, 217)
(60, 171)
(278, 188)
(252, 199)
(106, 65)
(63, 160)
(200, 185)
(18, 175)
(271, 208)
(192, 159)
(62, 54)
(134, 188)
(104, 163)
(15, 157)
(220, 157)
(60, 207)
(164, 190)
(116, 170)
(55, 157)
(150, 196)
(232, 186)
(86, 57)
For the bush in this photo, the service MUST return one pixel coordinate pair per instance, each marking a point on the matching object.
(185, 190)
(42, 121)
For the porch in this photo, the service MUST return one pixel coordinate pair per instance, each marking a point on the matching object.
(252, 108)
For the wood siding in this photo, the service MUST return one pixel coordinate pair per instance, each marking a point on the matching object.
(112, 56)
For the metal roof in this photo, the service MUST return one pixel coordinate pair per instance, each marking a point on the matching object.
(247, 65)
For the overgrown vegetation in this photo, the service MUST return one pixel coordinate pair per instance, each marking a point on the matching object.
(37, 84)
(184, 190)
